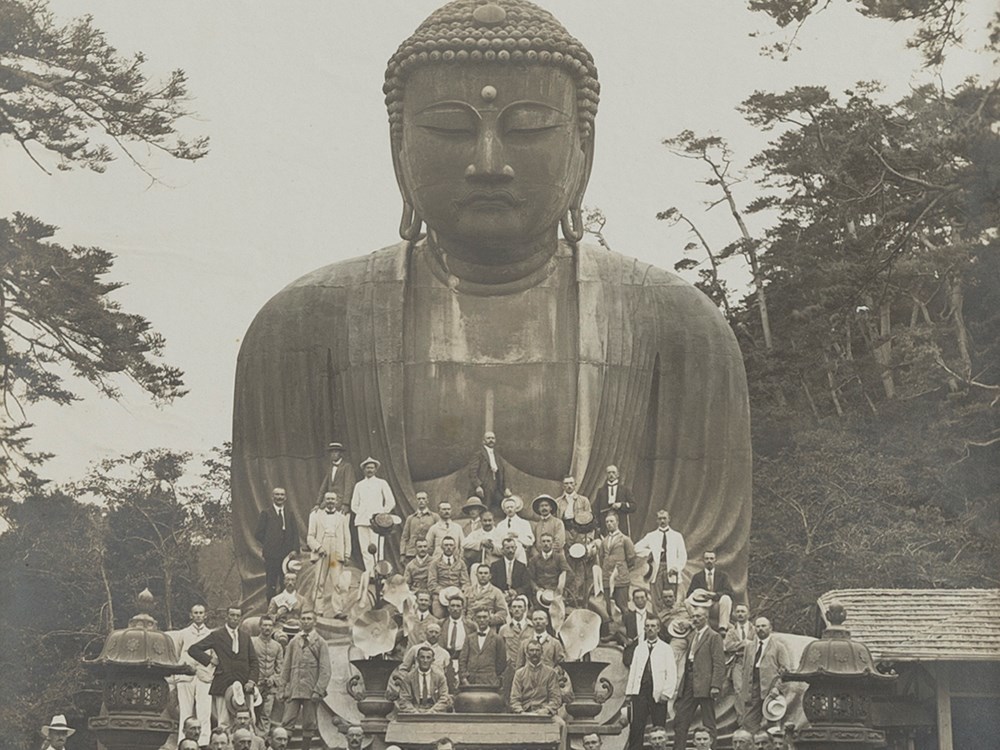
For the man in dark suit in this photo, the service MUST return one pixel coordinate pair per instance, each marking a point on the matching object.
(702, 679)
(340, 476)
(234, 659)
(509, 574)
(716, 584)
(487, 478)
(484, 655)
(278, 535)
(614, 496)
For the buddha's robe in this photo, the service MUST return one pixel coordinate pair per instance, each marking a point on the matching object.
(626, 363)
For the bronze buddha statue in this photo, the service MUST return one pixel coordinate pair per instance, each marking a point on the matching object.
(575, 356)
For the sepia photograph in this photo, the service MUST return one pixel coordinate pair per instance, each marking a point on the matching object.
(495, 374)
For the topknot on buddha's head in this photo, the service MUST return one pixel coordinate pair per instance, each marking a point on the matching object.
(473, 32)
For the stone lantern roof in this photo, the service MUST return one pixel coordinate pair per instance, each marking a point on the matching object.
(836, 654)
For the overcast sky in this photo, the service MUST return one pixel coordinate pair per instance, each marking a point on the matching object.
(299, 173)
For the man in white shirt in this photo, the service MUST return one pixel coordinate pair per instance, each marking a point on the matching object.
(667, 552)
(514, 527)
(652, 680)
(192, 690)
(453, 631)
(478, 546)
(487, 475)
(372, 495)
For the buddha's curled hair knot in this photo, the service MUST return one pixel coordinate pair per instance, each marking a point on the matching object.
(491, 31)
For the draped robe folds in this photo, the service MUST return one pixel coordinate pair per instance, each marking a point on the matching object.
(661, 393)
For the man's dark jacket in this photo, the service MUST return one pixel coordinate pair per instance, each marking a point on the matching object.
(232, 667)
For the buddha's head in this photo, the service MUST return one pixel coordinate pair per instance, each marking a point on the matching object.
(491, 111)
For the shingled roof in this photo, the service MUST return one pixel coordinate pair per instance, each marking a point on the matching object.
(922, 624)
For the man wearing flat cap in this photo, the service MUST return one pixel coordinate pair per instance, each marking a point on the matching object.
(372, 495)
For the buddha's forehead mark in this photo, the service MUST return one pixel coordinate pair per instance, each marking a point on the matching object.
(489, 93)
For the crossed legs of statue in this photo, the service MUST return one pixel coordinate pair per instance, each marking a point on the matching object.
(294, 707)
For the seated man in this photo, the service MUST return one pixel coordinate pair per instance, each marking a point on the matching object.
(219, 739)
(243, 722)
(455, 630)
(279, 737)
(483, 595)
(547, 567)
(287, 602)
(446, 569)
(536, 686)
(243, 739)
(424, 689)
(513, 632)
(483, 656)
(509, 574)
(553, 652)
(415, 573)
(716, 584)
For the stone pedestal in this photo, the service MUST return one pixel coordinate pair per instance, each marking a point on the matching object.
(477, 731)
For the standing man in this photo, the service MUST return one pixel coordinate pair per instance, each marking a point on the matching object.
(305, 675)
(270, 658)
(570, 503)
(652, 678)
(455, 634)
(668, 557)
(329, 541)
(372, 495)
(236, 661)
(483, 656)
(192, 690)
(763, 663)
(614, 496)
(483, 595)
(340, 476)
(716, 583)
(701, 683)
(509, 574)
(535, 689)
(738, 637)
(617, 554)
(415, 573)
(415, 528)
(278, 535)
(487, 475)
(424, 690)
(443, 527)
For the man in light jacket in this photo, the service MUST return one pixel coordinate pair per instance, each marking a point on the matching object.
(304, 678)
(652, 680)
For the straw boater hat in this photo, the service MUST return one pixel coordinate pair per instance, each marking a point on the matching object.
(335, 447)
(370, 460)
(447, 593)
(577, 551)
(291, 564)
(545, 597)
(700, 598)
(584, 520)
(383, 523)
(58, 724)
(774, 708)
(473, 502)
(518, 503)
(291, 626)
(537, 502)
(679, 628)
(237, 699)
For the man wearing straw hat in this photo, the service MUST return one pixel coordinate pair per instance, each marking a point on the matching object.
(372, 495)
(56, 732)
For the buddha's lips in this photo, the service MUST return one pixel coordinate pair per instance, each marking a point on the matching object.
(488, 197)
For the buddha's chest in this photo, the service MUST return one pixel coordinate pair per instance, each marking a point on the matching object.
(503, 363)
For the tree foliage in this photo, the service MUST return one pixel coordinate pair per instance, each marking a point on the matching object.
(66, 92)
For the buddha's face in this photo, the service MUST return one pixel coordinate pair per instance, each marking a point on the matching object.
(491, 155)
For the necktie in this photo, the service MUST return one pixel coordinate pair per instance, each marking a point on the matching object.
(453, 638)
(710, 580)
(612, 490)
(281, 515)
(539, 638)
(663, 551)
(760, 650)
(427, 690)
(236, 641)
(517, 626)
(510, 567)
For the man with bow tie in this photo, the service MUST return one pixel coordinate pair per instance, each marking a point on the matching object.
(415, 528)
(278, 535)
(234, 657)
(652, 678)
(667, 555)
(193, 698)
(615, 496)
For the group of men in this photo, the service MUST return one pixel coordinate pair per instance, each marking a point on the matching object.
(238, 679)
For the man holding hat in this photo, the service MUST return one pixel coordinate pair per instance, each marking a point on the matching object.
(570, 503)
(415, 528)
(764, 660)
(667, 557)
(329, 541)
(479, 546)
(445, 570)
(56, 732)
(514, 527)
(547, 567)
(287, 602)
(372, 495)
(278, 535)
(716, 584)
(235, 657)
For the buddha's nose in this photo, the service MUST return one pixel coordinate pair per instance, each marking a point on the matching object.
(488, 164)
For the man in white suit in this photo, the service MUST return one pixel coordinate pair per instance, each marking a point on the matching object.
(371, 496)
(668, 558)
(652, 680)
(192, 690)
